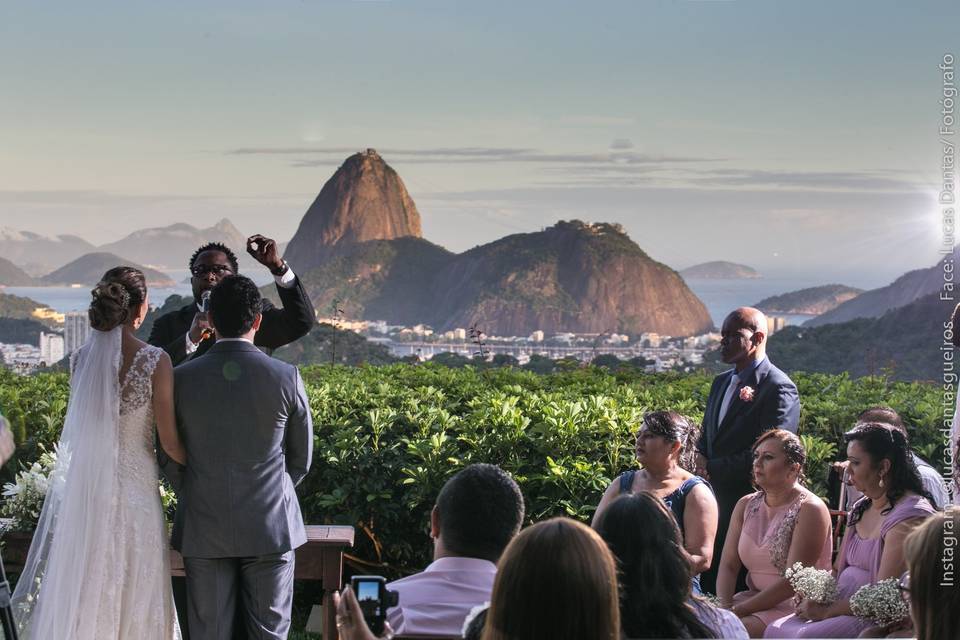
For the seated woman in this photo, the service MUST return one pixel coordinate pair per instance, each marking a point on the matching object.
(665, 446)
(655, 596)
(771, 529)
(894, 503)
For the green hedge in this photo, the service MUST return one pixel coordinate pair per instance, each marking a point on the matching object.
(387, 438)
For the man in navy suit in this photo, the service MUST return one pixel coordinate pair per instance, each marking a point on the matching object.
(744, 402)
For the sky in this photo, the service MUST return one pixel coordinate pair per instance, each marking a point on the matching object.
(796, 137)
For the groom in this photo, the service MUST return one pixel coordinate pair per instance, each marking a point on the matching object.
(245, 421)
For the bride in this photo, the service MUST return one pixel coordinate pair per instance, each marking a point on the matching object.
(99, 566)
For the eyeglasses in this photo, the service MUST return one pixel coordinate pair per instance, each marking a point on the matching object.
(218, 270)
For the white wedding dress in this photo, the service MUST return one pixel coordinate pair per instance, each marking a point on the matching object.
(99, 565)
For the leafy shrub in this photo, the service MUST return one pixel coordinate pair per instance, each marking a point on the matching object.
(387, 438)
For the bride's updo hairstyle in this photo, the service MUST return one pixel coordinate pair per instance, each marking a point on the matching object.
(116, 298)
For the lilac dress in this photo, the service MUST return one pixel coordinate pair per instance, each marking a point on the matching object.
(859, 565)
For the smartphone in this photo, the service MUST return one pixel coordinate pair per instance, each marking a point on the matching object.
(374, 599)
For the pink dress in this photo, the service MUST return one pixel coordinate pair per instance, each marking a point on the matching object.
(859, 565)
(764, 546)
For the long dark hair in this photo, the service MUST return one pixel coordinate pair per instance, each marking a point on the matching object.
(654, 569)
(881, 442)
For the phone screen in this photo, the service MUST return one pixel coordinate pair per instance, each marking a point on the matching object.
(368, 595)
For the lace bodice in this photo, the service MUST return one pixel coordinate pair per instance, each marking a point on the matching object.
(778, 524)
(137, 459)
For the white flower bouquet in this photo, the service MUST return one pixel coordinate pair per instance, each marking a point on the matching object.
(810, 583)
(880, 602)
(23, 499)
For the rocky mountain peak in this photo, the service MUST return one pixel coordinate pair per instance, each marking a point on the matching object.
(364, 200)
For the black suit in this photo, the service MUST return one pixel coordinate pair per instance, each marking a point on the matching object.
(775, 404)
(278, 328)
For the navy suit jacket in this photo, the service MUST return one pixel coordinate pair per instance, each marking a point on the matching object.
(726, 446)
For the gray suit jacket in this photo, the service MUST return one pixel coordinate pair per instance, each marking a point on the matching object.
(245, 422)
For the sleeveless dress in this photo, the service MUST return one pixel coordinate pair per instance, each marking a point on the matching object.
(143, 600)
(675, 501)
(764, 546)
(859, 565)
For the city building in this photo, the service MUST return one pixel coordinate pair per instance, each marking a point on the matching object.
(51, 347)
(536, 336)
(76, 330)
(775, 323)
(650, 340)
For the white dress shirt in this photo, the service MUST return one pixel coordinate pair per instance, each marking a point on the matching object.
(436, 600)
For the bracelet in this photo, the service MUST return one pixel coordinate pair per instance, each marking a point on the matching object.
(282, 269)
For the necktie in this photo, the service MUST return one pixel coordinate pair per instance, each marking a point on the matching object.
(727, 398)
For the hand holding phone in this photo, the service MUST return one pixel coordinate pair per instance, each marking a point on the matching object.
(374, 600)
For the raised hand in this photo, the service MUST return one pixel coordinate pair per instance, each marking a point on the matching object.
(264, 251)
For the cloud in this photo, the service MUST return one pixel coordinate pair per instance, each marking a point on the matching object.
(621, 144)
(333, 156)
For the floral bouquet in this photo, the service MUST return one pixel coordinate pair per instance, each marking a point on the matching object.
(23, 499)
(880, 602)
(810, 583)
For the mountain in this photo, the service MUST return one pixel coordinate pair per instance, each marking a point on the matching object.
(88, 269)
(364, 200)
(21, 308)
(902, 291)
(906, 340)
(171, 247)
(13, 276)
(37, 254)
(720, 270)
(577, 277)
(812, 301)
(380, 279)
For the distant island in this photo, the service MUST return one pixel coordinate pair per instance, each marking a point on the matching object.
(719, 270)
(88, 269)
(812, 301)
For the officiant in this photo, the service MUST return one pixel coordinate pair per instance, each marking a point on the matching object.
(187, 333)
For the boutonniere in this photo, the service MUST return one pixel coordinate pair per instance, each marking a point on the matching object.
(746, 394)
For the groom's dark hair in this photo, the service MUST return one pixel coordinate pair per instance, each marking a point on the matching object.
(480, 510)
(234, 305)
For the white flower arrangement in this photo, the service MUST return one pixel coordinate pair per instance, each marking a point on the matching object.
(880, 602)
(810, 583)
(23, 499)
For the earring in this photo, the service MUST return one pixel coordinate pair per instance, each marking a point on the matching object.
(881, 482)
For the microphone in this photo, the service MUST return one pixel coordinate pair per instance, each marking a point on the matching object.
(205, 309)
